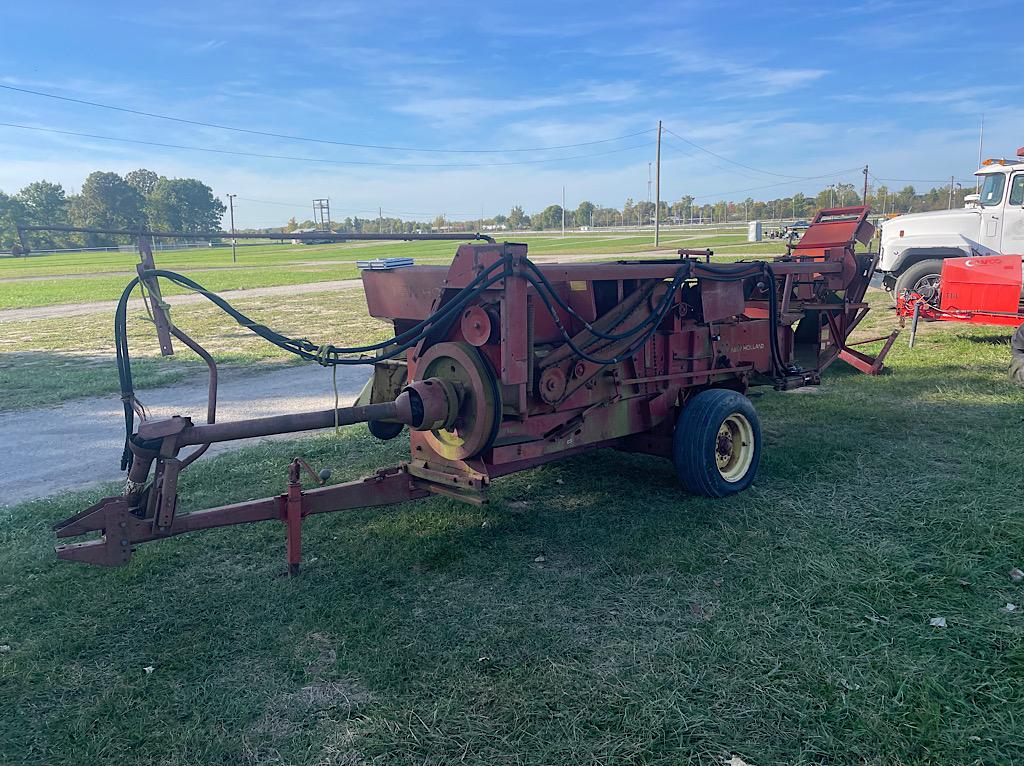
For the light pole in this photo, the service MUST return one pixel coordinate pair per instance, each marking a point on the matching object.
(657, 191)
(231, 206)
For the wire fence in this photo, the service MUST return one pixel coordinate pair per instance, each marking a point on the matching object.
(133, 249)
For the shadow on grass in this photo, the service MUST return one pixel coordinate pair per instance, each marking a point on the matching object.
(992, 340)
(39, 379)
(592, 604)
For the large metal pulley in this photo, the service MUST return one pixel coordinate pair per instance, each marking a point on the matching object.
(472, 426)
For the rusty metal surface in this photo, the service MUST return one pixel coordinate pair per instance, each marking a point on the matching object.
(122, 530)
(532, 363)
(155, 301)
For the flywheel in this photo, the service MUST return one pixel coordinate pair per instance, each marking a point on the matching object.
(479, 416)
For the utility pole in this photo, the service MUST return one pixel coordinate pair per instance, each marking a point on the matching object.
(864, 199)
(981, 148)
(563, 211)
(231, 206)
(380, 220)
(657, 190)
(952, 179)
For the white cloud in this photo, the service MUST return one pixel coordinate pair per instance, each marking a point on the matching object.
(738, 79)
(207, 46)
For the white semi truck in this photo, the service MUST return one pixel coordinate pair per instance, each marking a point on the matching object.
(913, 246)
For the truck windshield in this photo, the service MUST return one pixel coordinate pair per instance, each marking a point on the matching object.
(992, 189)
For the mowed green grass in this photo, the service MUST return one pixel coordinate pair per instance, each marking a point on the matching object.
(53, 360)
(592, 613)
(50, 360)
(84, 277)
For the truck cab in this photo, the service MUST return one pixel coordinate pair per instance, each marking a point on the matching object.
(912, 247)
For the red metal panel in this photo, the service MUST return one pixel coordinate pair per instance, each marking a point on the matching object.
(746, 343)
(404, 293)
(837, 227)
(513, 332)
(989, 283)
(721, 300)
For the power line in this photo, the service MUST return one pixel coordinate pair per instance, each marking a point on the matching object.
(290, 137)
(269, 202)
(422, 216)
(944, 181)
(781, 183)
(317, 159)
(739, 164)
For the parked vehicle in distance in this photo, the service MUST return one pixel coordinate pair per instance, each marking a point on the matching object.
(912, 247)
(791, 232)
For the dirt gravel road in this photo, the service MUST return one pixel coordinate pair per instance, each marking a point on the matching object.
(79, 443)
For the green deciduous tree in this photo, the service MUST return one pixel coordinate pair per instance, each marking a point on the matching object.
(107, 202)
(584, 213)
(12, 212)
(45, 203)
(516, 217)
(183, 204)
(142, 180)
(550, 217)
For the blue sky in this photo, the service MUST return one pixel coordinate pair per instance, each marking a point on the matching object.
(792, 89)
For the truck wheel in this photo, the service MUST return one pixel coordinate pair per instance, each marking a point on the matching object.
(921, 278)
(383, 430)
(716, 447)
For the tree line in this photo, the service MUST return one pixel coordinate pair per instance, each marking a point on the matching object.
(143, 199)
(685, 210)
(139, 199)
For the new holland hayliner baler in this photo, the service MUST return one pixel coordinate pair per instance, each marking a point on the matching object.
(499, 364)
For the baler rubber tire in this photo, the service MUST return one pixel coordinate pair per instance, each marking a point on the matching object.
(695, 443)
(383, 430)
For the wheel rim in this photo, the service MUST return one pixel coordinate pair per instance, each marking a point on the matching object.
(928, 288)
(734, 447)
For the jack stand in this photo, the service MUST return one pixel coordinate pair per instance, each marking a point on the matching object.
(293, 525)
(292, 509)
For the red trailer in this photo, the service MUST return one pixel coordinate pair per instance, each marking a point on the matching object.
(500, 364)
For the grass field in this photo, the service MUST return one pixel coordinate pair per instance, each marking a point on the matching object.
(45, 361)
(592, 613)
(82, 277)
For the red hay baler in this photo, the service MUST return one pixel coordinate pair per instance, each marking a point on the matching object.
(500, 364)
